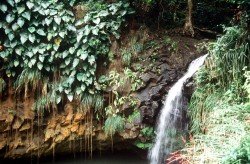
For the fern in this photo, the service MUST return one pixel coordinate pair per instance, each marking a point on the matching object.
(231, 53)
(114, 124)
(28, 76)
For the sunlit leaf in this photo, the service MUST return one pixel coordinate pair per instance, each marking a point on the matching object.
(29, 4)
(3, 8)
(23, 38)
(26, 15)
(20, 9)
(58, 20)
(75, 62)
(20, 22)
(39, 66)
(31, 29)
(32, 38)
(16, 63)
(41, 32)
(70, 97)
(10, 18)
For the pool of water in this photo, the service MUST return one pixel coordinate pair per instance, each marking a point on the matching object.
(107, 158)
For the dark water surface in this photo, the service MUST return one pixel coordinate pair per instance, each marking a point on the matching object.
(107, 158)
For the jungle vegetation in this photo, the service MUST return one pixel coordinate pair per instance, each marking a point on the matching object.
(52, 51)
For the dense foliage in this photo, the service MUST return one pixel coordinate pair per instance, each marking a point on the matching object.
(223, 75)
(48, 50)
(220, 103)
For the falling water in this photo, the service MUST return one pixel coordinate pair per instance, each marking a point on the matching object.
(170, 113)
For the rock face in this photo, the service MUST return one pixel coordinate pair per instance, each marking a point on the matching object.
(172, 67)
(23, 133)
(69, 131)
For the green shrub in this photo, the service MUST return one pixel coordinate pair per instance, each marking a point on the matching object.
(148, 134)
(113, 124)
(230, 54)
(242, 154)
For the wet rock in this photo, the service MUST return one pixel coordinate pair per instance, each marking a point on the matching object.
(25, 126)
(147, 115)
(17, 123)
(65, 132)
(74, 128)
(81, 130)
(128, 126)
(102, 137)
(147, 77)
(78, 117)
(9, 118)
(137, 121)
(49, 133)
(3, 143)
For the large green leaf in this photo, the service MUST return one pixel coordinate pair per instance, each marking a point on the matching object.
(58, 99)
(79, 76)
(87, 30)
(83, 87)
(15, 27)
(32, 38)
(39, 65)
(16, 63)
(29, 54)
(49, 36)
(75, 62)
(11, 36)
(79, 36)
(31, 29)
(70, 97)
(20, 22)
(10, 18)
(48, 21)
(58, 20)
(91, 59)
(20, 9)
(3, 8)
(97, 21)
(72, 50)
(41, 32)
(33, 61)
(67, 61)
(23, 37)
(29, 4)
(84, 55)
(41, 58)
(95, 31)
(11, 2)
(18, 51)
(26, 15)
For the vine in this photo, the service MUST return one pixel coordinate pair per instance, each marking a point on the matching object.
(44, 40)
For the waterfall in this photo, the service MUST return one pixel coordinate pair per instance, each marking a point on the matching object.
(169, 115)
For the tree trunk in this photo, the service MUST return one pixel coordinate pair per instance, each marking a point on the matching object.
(188, 28)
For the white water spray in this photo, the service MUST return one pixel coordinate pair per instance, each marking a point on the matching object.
(169, 114)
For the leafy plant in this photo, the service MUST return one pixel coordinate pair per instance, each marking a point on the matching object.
(247, 84)
(230, 55)
(114, 124)
(242, 154)
(134, 116)
(147, 133)
(172, 44)
(126, 57)
(43, 40)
